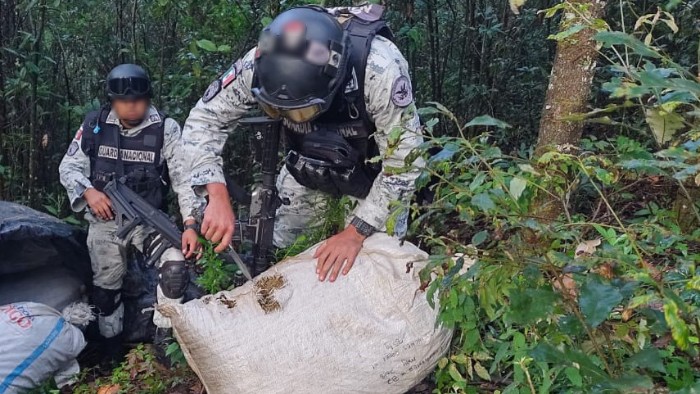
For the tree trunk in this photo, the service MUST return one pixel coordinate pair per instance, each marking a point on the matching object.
(7, 11)
(34, 129)
(568, 92)
(570, 80)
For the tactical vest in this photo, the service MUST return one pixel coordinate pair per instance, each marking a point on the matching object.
(114, 155)
(330, 153)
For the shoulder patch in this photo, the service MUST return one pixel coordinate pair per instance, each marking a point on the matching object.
(230, 75)
(79, 134)
(154, 118)
(73, 148)
(401, 92)
(211, 92)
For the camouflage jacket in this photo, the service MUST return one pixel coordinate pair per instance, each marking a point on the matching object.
(229, 98)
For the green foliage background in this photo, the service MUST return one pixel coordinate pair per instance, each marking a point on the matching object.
(475, 57)
(546, 308)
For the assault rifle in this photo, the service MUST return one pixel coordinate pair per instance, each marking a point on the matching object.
(264, 200)
(132, 210)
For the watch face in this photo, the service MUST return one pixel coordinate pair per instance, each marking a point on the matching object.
(363, 227)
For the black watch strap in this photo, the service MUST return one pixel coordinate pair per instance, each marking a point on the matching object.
(363, 227)
(192, 226)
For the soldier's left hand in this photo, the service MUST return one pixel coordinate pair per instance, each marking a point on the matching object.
(190, 243)
(339, 251)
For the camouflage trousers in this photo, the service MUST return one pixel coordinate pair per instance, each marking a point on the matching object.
(108, 255)
(305, 210)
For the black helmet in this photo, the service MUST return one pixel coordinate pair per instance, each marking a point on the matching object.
(128, 81)
(300, 63)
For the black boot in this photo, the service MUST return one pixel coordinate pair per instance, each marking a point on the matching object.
(112, 352)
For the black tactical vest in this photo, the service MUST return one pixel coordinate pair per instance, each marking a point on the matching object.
(114, 155)
(348, 118)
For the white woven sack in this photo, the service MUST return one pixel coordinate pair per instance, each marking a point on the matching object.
(371, 331)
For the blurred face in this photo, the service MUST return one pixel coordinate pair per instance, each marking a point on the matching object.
(131, 112)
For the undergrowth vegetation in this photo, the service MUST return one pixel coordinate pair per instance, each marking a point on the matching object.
(604, 296)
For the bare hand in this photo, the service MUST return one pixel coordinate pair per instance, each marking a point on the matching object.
(339, 251)
(99, 204)
(218, 223)
(190, 243)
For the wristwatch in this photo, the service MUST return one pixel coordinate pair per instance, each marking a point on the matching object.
(192, 226)
(363, 227)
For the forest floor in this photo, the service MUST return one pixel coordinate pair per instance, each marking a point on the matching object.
(146, 369)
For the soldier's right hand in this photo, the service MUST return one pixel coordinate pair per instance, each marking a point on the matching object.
(218, 222)
(99, 204)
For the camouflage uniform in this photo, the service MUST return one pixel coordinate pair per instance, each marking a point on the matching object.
(209, 122)
(108, 252)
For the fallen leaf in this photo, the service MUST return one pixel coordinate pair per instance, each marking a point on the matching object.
(566, 286)
(111, 389)
(587, 248)
(606, 271)
(627, 314)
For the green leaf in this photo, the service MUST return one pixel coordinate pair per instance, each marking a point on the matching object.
(207, 45)
(517, 187)
(481, 371)
(477, 181)
(664, 125)
(649, 359)
(610, 38)
(528, 168)
(428, 111)
(632, 383)
(479, 238)
(454, 373)
(679, 328)
(485, 120)
(530, 305)
(567, 33)
(574, 376)
(430, 124)
(224, 48)
(597, 300)
(548, 353)
(266, 21)
(483, 202)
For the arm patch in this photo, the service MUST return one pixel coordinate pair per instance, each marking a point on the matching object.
(211, 92)
(402, 92)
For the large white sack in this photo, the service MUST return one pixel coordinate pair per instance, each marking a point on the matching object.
(37, 343)
(371, 331)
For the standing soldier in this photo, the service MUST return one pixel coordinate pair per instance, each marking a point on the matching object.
(343, 93)
(127, 137)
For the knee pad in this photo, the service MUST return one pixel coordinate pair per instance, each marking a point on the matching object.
(106, 300)
(173, 278)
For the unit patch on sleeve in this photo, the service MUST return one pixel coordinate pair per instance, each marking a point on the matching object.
(211, 92)
(73, 148)
(401, 92)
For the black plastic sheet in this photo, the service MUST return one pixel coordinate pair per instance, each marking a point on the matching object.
(43, 259)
